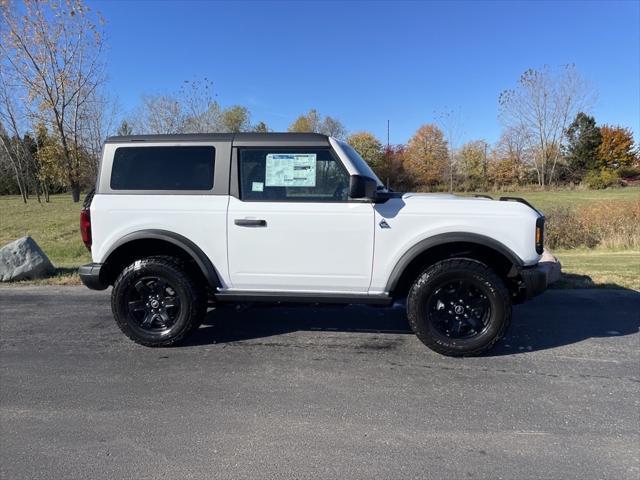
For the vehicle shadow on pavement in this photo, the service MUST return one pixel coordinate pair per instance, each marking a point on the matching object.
(565, 317)
(555, 319)
(230, 324)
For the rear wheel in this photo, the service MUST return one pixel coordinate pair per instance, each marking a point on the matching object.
(459, 307)
(156, 303)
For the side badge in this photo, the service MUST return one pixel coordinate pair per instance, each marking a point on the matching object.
(383, 224)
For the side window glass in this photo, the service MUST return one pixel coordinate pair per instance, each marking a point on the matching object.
(309, 175)
(163, 168)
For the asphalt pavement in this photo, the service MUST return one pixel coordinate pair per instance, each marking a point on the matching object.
(339, 392)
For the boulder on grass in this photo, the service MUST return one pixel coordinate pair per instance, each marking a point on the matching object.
(22, 260)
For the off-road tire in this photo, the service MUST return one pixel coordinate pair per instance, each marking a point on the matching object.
(191, 295)
(487, 282)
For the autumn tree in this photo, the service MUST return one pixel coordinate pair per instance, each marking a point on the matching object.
(309, 122)
(617, 148)
(49, 151)
(368, 146)
(54, 52)
(542, 105)
(235, 119)
(583, 140)
(472, 165)
(313, 122)
(503, 171)
(426, 156)
(391, 169)
(507, 161)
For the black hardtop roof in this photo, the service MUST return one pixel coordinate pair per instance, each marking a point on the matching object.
(238, 139)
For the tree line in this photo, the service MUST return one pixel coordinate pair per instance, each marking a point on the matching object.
(547, 139)
(594, 156)
(55, 115)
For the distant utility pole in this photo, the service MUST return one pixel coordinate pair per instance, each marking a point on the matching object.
(388, 153)
(387, 135)
(484, 164)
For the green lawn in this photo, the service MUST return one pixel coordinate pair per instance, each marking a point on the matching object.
(55, 226)
(571, 198)
(588, 268)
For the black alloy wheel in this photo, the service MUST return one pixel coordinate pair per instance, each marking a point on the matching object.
(459, 307)
(156, 302)
(153, 304)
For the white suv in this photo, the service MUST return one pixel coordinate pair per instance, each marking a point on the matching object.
(179, 223)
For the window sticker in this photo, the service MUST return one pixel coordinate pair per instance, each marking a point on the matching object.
(257, 187)
(290, 170)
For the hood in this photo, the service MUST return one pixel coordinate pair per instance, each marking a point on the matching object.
(439, 196)
(466, 205)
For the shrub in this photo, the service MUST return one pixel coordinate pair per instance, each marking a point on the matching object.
(610, 224)
(563, 229)
(629, 172)
(599, 180)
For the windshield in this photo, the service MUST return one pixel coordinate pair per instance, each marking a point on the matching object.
(359, 162)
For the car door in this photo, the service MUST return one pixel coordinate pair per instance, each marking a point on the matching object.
(293, 227)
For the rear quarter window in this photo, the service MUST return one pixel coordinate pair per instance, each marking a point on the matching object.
(163, 168)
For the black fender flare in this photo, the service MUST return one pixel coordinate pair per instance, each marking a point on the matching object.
(193, 250)
(443, 239)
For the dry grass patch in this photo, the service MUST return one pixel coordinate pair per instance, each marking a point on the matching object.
(612, 224)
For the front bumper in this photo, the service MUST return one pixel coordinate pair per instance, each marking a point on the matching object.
(90, 276)
(537, 278)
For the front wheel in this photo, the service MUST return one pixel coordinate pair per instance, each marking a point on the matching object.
(156, 303)
(459, 307)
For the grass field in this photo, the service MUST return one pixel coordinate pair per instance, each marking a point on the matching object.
(55, 226)
(589, 268)
(571, 198)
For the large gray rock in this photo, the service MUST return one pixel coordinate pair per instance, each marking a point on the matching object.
(22, 260)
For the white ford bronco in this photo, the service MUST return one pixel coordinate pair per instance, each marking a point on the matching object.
(181, 223)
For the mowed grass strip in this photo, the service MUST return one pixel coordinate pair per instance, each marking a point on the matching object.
(55, 226)
(544, 200)
(591, 268)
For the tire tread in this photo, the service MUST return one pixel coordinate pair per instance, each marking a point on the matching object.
(198, 303)
(470, 265)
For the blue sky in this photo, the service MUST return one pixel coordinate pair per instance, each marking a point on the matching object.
(366, 62)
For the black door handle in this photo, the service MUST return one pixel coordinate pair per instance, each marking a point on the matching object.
(245, 222)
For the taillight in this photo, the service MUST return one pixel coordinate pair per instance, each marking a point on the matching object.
(85, 227)
(540, 235)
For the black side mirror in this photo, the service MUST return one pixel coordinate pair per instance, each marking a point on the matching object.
(362, 187)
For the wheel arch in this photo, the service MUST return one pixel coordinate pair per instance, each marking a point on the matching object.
(144, 243)
(450, 245)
